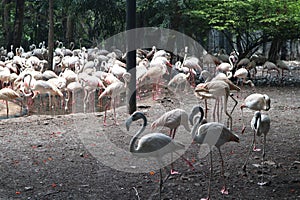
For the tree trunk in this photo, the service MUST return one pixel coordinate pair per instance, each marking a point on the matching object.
(70, 29)
(5, 23)
(18, 25)
(275, 49)
(50, 35)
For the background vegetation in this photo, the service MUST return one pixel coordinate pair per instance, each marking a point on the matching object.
(247, 24)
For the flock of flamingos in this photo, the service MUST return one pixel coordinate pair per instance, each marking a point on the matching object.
(23, 75)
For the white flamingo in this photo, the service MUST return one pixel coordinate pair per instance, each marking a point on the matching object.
(260, 124)
(8, 94)
(255, 102)
(158, 67)
(242, 73)
(114, 90)
(178, 79)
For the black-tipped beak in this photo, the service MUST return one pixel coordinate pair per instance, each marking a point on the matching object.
(128, 123)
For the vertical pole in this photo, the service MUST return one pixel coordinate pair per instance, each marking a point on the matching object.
(131, 54)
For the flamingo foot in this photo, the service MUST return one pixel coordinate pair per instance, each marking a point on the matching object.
(262, 183)
(205, 198)
(224, 190)
(256, 149)
(173, 172)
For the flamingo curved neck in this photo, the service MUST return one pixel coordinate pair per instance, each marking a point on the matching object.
(196, 125)
(231, 64)
(132, 148)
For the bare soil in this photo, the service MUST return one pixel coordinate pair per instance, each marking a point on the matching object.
(65, 156)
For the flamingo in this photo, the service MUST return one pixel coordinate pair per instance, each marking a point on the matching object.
(151, 145)
(192, 63)
(90, 84)
(242, 73)
(255, 102)
(215, 89)
(213, 134)
(41, 87)
(7, 94)
(270, 66)
(179, 79)
(260, 124)
(72, 87)
(173, 119)
(158, 67)
(115, 89)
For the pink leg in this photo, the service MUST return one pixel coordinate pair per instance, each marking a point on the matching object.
(115, 115)
(105, 113)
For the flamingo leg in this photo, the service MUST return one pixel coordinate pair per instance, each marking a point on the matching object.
(206, 108)
(115, 115)
(105, 113)
(254, 143)
(160, 182)
(263, 163)
(210, 175)
(172, 166)
(224, 189)
(225, 110)
(250, 151)
(235, 103)
(6, 102)
(244, 127)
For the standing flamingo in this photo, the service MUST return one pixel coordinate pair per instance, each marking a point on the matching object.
(213, 134)
(260, 124)
(114, 90)
(158, 67)
(242, 73)
(151, 145)
(72, 87)
(255, 102)
(215, 89)
(7, 94)
(179, 79)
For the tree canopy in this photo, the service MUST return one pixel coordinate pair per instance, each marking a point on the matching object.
(247, 24)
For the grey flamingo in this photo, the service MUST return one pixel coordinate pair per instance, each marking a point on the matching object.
(151, 145)
(213, 134)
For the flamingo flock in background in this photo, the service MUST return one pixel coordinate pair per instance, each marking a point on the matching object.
(100, 73)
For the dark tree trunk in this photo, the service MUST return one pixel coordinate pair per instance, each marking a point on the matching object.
(18, 26)
(5, 23)
(51, 35)
(131, 55)
(70, 29)
(275, 49)
(284, 51)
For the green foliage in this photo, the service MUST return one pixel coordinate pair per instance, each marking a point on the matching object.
(247, 20)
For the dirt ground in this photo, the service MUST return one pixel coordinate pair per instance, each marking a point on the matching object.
(76, 157)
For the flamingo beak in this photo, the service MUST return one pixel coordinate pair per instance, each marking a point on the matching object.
(128, 123)
(169, 64)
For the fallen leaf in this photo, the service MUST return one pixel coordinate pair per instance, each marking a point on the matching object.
(152, 173)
